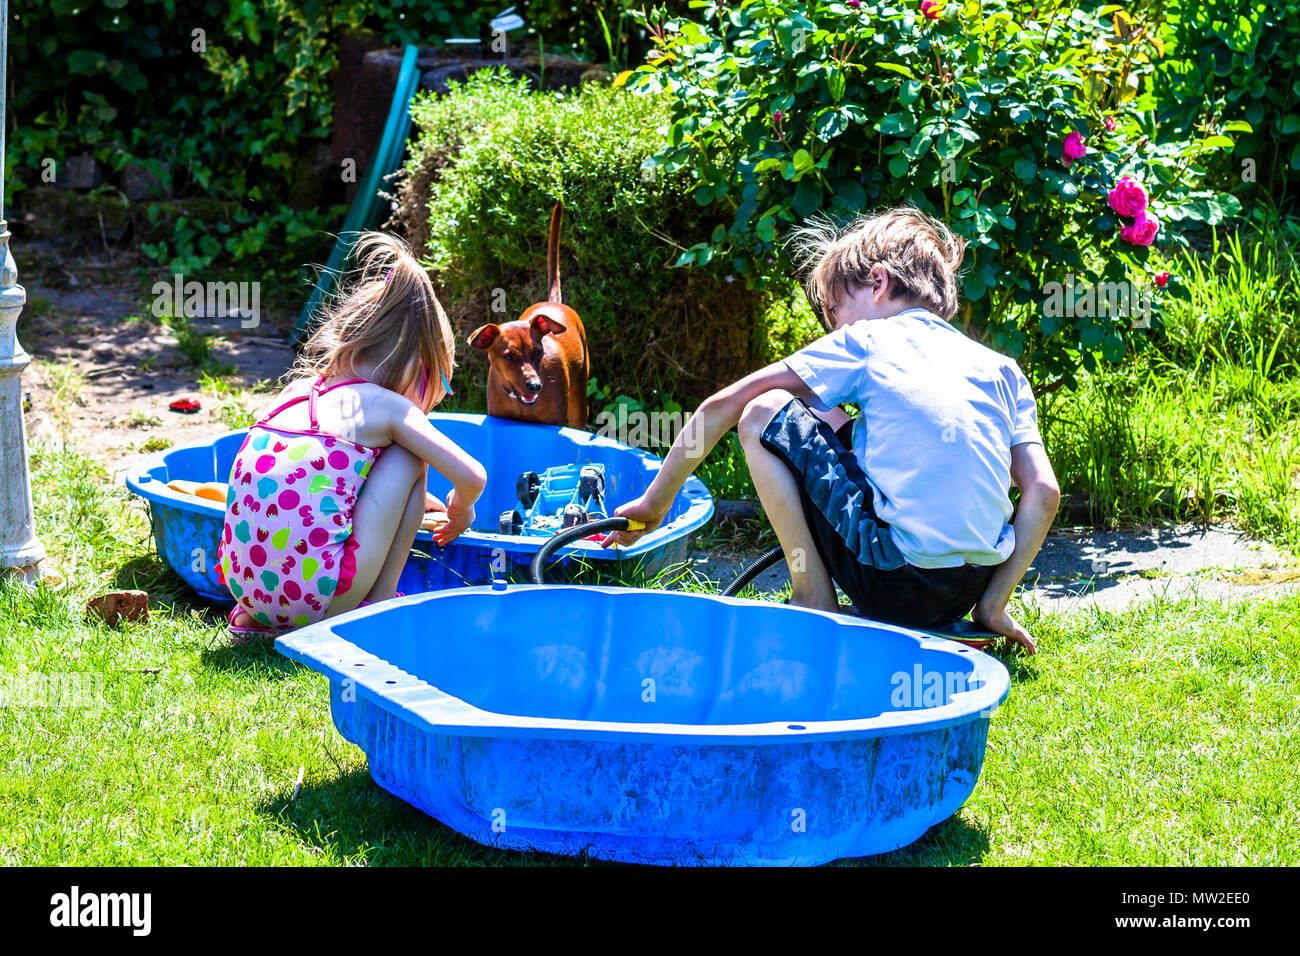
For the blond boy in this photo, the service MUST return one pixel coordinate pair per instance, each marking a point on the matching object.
(906, 507)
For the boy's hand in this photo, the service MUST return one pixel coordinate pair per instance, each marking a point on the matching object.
(1001, 622)
(458, 520)
(639, 510)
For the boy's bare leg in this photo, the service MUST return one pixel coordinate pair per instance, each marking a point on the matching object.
(779, 493)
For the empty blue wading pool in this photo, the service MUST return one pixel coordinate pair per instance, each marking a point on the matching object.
(657, 726)
(187, 529)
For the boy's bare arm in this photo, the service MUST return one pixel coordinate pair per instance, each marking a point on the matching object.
(716, 415)
(1040, 497)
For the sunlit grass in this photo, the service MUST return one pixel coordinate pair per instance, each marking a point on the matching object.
(1163, 735)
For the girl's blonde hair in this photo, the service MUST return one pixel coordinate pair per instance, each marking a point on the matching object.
(920, 254)
(389, 317)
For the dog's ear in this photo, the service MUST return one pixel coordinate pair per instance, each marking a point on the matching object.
(544, 324)
(484, 335)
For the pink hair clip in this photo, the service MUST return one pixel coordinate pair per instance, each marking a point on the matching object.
(387, 277)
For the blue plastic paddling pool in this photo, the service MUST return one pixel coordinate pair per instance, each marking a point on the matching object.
(187, 528)
(657, 726)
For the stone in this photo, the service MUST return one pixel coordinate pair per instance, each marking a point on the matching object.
(140, 182)
(62, 214)
(117, 606)
(79, 172)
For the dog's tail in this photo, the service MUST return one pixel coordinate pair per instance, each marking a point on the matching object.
(553, 255)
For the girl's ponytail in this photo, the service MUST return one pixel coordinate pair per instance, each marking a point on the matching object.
(390, 318)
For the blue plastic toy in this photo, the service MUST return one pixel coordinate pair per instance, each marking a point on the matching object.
(562, 497)
(187, 528)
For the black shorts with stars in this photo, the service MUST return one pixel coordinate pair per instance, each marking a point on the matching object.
(854, 544)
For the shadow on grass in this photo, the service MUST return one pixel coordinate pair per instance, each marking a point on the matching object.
(954, 842)
(359, 821)
(146, 572)
(257, 658)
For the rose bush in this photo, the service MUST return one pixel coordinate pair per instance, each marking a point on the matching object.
(1015, 131)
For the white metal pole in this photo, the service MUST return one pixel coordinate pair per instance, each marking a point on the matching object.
(20, 551)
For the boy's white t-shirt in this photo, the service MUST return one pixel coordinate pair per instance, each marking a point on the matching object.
(939, 414)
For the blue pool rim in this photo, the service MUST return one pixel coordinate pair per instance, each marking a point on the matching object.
(427, 708)
(140, 481)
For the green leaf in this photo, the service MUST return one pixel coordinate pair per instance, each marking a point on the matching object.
(86, 61)
(897, 124)
(835, 84)
(896, 68)
(850, 194)
(973, 287)
(829, 124)
(1025, 169)
(807, 197)
(948, 144)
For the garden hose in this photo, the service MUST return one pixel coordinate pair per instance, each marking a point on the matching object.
(570, 535)
(763, 562)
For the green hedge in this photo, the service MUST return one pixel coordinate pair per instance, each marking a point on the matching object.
(489, 162)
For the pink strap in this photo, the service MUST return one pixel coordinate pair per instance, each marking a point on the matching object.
(289, 404)
(310, 398)
(317, 390)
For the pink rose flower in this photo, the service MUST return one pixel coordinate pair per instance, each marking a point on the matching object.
(1111, 125)
(931, 8)
(854, 3)
(1072, 148)
(1143, 230)
(1162, 279)
(1128, 198)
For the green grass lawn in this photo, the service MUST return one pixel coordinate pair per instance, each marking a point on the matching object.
(1166, 735)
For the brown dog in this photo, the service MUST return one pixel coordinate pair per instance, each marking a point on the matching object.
(538, 364)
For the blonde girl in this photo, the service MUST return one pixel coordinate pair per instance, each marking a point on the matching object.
(329, 488)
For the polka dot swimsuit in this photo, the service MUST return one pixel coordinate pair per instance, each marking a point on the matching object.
(287, 546)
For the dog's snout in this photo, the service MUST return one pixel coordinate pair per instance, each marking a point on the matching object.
(535, 386)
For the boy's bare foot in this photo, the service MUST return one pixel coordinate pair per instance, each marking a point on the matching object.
(1001, 622)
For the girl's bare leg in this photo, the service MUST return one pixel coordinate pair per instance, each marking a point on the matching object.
(385, 585)
(381, 522)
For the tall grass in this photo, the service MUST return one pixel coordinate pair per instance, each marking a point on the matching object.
(1203, 425)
